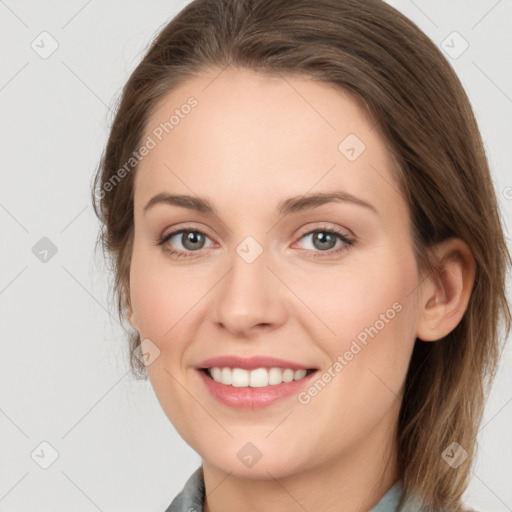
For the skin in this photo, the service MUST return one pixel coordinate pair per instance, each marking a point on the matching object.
(252, 141)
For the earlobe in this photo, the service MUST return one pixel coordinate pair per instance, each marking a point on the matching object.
(445, 293)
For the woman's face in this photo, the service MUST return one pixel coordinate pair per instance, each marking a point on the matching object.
(265, 274)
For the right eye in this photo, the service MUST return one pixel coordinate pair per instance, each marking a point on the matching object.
(189, 239)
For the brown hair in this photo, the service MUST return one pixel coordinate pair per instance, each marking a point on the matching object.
(402, 80)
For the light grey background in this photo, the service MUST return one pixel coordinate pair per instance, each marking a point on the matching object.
(63, 369)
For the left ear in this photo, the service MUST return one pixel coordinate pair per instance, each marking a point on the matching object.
(445, 293)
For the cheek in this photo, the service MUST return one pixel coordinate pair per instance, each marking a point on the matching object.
(160, 298)
(162, 302)
(369, 314)
(355, 297)
(372, 312)
(376, 334)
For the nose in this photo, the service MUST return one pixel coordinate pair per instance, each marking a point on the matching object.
(250, 297)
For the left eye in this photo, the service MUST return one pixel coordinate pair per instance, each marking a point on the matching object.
(325, 239)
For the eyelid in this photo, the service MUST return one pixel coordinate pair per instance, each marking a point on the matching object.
(342, 230)
(185, 227)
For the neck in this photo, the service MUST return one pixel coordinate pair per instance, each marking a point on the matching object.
(356, 479)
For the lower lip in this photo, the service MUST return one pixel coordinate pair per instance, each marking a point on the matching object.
(253, 398)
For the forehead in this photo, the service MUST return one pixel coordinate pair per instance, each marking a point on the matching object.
(250, 135)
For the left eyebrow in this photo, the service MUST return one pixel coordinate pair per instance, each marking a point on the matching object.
(309, 201)
(285, 207)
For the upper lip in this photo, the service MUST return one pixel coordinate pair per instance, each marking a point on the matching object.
(251, 363)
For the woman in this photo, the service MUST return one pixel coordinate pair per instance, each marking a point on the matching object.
(306, 243)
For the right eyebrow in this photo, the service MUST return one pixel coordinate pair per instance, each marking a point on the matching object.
(190, 202)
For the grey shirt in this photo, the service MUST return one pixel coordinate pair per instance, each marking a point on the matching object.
(191, 497)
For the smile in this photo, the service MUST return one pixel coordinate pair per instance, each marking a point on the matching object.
(257, 378)
(253, 389)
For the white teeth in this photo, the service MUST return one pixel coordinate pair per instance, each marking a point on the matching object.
(225, 376)
(275, 376)
(258, 378)
(239, 378)
(288, 375)
(216, 374)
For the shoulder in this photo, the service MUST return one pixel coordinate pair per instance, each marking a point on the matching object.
(191, 497)
(391, 502)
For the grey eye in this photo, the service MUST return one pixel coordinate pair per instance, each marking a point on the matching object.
(190, 240)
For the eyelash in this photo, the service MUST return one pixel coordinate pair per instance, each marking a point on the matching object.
(348, 241)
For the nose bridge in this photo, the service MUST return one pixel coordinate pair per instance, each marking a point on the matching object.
(249, 294)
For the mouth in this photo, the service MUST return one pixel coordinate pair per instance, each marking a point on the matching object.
(254, 388)
(256, 378)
